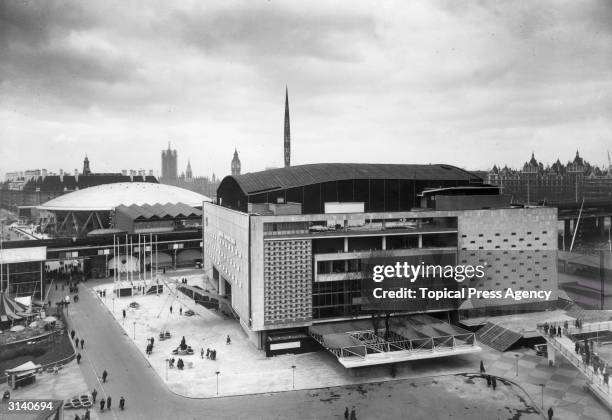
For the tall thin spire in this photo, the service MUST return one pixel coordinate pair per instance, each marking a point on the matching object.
(287, 131)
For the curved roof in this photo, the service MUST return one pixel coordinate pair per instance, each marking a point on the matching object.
(297, 176)
(109, 196)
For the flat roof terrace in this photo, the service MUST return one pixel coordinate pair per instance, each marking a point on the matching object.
(414, 337)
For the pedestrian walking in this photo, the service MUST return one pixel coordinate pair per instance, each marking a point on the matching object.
(104, 376)
(78, 359)
(124, 314)
(170, 308)
(102, 404)
(550, 413)
(77, 417)
(494, 383)
(122, 403)
(181, 311)
(482, 368)
(87, 415)
(202, 353)
(228, 340)
(353, 414)
(76, 341)
(488, 380)
(82, 343)
(94, 394)
(108, 402)
(72, 334)
(208, 353)
(346, 413)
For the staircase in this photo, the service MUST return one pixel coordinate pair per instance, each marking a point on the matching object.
(497, 337)
(593, 315)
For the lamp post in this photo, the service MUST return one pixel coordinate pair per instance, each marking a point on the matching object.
(517, 360)
(217, 373)
(293, 376)
(542, 386)
(134, 330)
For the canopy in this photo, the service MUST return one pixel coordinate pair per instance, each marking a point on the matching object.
(26, 367)
(11, 309)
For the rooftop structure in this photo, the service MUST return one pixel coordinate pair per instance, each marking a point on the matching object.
(109, 196)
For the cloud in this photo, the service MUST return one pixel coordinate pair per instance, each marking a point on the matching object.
(368, 81)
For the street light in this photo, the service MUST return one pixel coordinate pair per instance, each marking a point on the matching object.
(542, 386)
(217, 373)
(517, 360)
(134, 330)
(293, 371)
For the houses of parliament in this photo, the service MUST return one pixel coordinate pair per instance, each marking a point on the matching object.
(201, 184)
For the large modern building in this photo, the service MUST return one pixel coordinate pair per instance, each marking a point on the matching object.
(288, 247)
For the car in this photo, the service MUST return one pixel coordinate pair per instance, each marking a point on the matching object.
(541, 350)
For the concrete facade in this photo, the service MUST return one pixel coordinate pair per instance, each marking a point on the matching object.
(270, 261)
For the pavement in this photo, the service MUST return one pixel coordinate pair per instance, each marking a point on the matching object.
(108, 347)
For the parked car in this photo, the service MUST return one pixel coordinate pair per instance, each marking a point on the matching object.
(541, 350)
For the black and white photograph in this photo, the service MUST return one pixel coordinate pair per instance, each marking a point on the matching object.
(283, 209)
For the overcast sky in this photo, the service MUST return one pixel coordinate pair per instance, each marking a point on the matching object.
(470, 83)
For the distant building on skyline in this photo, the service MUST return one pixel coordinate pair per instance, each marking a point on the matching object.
(37, 186)
(236, 165)
(201, 184)
(553, 184)
(169, 167)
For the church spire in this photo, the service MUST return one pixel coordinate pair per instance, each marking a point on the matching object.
(287, 131)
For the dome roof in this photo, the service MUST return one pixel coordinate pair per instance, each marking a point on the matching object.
(109, 196)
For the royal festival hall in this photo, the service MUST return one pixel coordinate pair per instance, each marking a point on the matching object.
(290, 247)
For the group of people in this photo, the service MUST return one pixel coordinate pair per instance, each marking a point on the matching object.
(76, 339)
(554, 329)
(102, 293)
(107, 403)
(210, 354)
(586, 349)
(180, 364)
(352, 415)
(86, 416)
(491, 379)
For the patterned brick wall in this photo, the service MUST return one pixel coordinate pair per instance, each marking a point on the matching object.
(518, 246)
(287, 282)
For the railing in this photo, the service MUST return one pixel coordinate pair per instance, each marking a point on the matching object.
(46, 366)
(596, 379)
(572, 329)
(376, 344)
